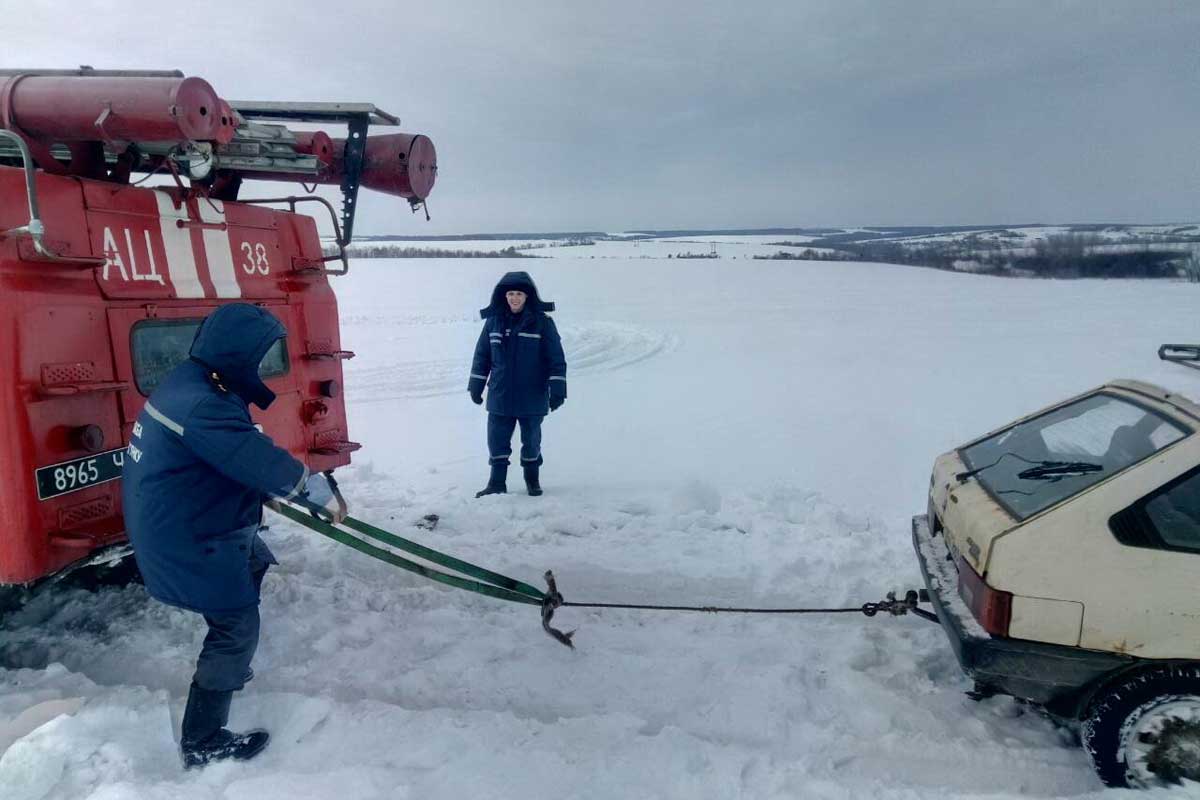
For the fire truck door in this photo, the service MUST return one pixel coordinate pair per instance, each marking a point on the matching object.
(148, 342)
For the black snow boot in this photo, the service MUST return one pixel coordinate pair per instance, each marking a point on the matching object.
(497, 482)
(531, 480)
(204, 738)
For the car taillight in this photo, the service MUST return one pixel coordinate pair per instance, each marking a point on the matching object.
(992, 607)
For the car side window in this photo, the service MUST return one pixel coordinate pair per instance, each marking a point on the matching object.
(1175, 514)
(1166, 519)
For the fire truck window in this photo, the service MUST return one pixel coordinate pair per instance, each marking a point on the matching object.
(158, 346)
(275, 362)
(1175, 513)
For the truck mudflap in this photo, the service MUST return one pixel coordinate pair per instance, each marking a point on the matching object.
(1055, 676)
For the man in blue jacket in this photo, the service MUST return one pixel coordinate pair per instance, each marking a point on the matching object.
(196, 474)
(519, 358)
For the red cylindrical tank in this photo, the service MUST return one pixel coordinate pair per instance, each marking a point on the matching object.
(399, 164)
(227, 122)
(74, 109)
(315, 143)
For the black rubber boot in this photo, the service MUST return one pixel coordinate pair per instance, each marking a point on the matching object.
(204, 737)
(497, 482)
(531, 480)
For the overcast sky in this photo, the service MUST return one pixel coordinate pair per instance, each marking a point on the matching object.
(568, 115)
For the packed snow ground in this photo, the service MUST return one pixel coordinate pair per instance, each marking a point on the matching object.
(737, 432)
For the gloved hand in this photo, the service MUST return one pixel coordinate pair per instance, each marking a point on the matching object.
(320, 495)
(556, 402)
(477, 398)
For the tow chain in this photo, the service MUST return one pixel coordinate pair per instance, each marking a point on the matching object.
(897, 607)
(493, 584)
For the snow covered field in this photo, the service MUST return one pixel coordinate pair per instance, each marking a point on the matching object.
(737, 432)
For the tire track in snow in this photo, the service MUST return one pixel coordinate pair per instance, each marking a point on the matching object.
(590, 348)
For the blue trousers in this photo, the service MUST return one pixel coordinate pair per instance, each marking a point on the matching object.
(224, 661)
(499, 435)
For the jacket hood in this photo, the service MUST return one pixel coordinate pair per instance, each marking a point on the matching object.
(519, 281)
(232, 342)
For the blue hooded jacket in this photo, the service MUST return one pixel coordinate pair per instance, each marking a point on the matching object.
(197, 470)
(519, 357)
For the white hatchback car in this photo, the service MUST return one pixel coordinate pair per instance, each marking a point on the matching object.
(1062, 555)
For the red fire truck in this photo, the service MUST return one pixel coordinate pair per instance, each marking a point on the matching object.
(105, 278)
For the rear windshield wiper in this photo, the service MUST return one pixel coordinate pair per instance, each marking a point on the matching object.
(1054, 471)
(1040, 471)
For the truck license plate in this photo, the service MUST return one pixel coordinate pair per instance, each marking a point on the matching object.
(79, 473)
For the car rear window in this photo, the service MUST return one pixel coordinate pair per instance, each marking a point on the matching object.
(1089, 440)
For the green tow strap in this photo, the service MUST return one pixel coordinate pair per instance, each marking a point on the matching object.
(444, 560)
(492, 584)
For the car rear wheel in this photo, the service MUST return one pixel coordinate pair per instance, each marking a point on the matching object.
(1145, 730)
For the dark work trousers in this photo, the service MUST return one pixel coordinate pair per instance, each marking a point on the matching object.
(499, 435)
(224, 661)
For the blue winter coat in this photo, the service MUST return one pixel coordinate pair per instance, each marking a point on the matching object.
(197, 470)
(518, 357)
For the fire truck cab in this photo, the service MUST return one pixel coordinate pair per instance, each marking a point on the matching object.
(104, 282)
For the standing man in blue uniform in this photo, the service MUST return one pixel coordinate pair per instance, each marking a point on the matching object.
(196, 474)
(519, 358)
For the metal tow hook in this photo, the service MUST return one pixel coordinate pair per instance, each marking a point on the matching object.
(898, 607)
(553, 600)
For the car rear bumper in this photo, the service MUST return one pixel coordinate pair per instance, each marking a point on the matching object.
(1053, 675)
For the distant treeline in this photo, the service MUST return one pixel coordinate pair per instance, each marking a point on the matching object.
(399, 251)
(583, 242)
(485, 237)
(808, 254)
(1070, 255)
(677, 232)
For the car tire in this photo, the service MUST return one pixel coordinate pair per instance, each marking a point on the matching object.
(1144, 730)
